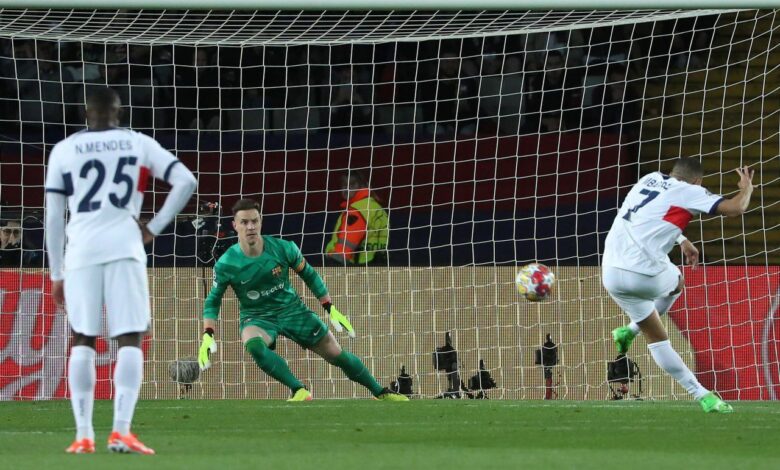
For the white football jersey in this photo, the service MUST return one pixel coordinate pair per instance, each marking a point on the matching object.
(653, 215)
(104, 175)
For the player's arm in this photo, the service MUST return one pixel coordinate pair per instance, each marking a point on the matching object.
(168, 168)
(317, 286)
(312, 279)
(689, 251)
(55, 242)
(738, 204)
(58, 188)
(211, 309)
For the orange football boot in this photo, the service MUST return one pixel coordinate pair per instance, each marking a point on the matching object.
(127, 444)
(84, 446)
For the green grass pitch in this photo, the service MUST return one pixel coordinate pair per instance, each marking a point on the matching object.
(424, 434)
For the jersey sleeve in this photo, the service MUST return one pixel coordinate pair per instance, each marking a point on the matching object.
(213, 301)
(293, 254)
(309, 275)
(57, 181)
(698, 199)
(55, 233)
(161, 161)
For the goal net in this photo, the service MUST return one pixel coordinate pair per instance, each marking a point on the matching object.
(490, 139)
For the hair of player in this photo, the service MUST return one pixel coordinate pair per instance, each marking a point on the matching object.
(102, 98)
(357, 179)
(688, 169)
(353, 179)
(245, 204)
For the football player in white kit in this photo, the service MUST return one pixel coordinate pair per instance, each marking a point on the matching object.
(637, 271)
(102, 173)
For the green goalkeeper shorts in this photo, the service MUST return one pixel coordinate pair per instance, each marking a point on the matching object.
(299, 324)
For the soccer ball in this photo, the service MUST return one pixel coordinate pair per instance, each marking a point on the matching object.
(535, 281)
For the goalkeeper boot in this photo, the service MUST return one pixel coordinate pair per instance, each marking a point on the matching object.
(84, 446)
(623, 337)
(712, 403)
(127, 444)
(389, 395)
(301, 395)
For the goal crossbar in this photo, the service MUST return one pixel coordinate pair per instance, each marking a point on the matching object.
(240, 28)
(388, 5)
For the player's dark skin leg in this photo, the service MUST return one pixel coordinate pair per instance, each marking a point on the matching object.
(83, 340)
(130, 339)
(652, 327)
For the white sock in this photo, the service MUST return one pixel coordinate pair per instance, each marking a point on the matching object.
(81, 380)
(668, 360)
(128, 374)
(634, 328)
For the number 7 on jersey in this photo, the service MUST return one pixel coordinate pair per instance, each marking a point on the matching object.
(650, 196)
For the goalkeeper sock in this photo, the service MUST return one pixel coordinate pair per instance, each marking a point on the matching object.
(81, 381)
(128, 374)
(272, 364)
(668, 359)
(356, 371)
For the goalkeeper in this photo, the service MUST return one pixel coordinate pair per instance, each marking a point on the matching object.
(257, 269)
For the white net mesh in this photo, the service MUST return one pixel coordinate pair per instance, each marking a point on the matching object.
(241, 28)
(492, 139)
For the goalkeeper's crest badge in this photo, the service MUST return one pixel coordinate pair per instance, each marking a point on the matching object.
(277, 271)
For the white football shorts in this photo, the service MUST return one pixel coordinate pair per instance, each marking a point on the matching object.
(636, 293)
(121, 285)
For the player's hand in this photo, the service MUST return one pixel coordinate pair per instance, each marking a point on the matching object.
(58, 292)
(339, 321)
(147, 235)
(690, 253)
(207, 346)
(745, 178)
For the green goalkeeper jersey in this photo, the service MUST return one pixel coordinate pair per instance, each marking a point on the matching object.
(262, 284)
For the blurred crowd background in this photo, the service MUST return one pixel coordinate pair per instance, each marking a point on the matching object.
(500, 85)
(309, 96)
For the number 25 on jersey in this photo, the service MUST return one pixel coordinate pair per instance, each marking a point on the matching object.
(121, 176)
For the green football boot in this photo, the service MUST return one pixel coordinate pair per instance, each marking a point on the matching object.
(389, 395)
(712, 403)
(623, 337)
(301, 395)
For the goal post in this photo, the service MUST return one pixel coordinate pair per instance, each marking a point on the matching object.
(491, 139)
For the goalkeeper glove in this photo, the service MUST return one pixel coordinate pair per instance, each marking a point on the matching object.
(207, 346)
(339, 320)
